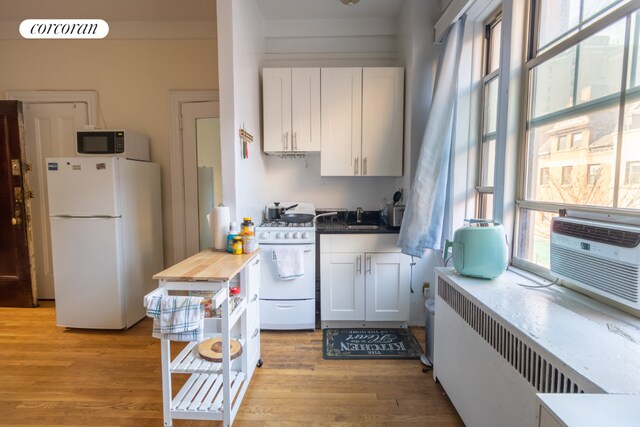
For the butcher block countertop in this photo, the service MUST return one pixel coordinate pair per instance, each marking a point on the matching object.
(208, 265)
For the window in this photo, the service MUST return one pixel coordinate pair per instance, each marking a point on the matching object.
(632, 173)
(544, 176)
(576, 140)
(593, 174)
(567, 172)
(583, 98)
(490, 74)
(563, 142)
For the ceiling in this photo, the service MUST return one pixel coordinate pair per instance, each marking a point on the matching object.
(194, 10)
(328, 9)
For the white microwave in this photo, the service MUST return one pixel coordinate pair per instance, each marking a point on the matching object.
(113, 143)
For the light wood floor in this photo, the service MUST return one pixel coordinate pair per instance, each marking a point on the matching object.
(55, 376)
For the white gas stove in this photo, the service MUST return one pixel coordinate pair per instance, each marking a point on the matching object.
(288, 304)
(275, 231)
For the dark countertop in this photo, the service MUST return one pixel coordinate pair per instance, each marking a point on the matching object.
(340, 224)
(341, 228)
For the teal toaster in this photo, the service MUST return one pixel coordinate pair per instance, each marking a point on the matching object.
(479, 249)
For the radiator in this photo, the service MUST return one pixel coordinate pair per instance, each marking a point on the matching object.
(491, 371)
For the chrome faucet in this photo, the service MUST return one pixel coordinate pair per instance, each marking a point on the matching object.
(358, 214)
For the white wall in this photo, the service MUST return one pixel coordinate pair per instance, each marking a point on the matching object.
(300, 180)
(240, 50)
(132, 78)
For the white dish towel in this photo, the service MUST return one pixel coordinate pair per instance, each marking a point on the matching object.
(178, 318)
(289, 262)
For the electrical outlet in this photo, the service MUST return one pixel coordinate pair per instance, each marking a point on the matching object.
(425, 289)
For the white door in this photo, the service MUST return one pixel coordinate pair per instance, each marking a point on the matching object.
(341, 127)
(202, 168)
(49, 131)
(382, 121)
(88, 272)
(276, 107)
(83, 186)
(305, 109)
(387, 287)
(342, 286)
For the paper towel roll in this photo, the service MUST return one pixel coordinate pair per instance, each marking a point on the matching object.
(219, 224)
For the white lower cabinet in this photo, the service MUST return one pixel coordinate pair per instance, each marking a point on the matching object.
(364, 280)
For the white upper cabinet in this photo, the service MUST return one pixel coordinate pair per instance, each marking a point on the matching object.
(291, 109)
(382, 121)
(362, 121)
(341, 99)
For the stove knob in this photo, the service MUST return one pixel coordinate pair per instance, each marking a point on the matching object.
(287, 235)
(305, 235)
(264, 235)
(278, 235)
(296, 235)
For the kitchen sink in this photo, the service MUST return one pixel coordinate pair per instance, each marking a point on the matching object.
(363, 227)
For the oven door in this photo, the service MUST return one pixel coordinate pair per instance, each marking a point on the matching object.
(274, 288)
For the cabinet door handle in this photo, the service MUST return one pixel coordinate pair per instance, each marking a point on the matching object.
(369, 264)
(286, 141)
(359, 264)
(255, 297)
(294, 142)
(255, 333)
(257, 261)
(364, 166)
(355, 165)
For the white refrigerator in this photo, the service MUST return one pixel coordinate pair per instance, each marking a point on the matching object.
(106, 239)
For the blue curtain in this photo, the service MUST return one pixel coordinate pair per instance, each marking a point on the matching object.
(428, 204)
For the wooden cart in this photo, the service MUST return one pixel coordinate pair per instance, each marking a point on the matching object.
(213, 391)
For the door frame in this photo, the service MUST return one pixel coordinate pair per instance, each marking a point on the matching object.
(89, 97)
(176, 99)
(28, 97)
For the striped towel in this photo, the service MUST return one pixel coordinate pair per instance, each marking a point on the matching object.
(177, 318)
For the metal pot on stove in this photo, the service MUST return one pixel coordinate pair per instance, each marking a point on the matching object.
(274, 210)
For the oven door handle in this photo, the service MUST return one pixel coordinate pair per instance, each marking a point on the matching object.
(273, 252)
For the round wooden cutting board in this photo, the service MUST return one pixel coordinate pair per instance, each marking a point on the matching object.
(211, 349)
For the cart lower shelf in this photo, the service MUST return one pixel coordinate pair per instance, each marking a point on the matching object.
(190, 362)
(201, 396)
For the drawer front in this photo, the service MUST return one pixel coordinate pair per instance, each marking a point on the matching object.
(253, 314)
(253, 276)
(253, 334)
(283, 315)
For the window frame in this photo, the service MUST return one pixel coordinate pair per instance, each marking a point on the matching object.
(532, 59)
(485, 193)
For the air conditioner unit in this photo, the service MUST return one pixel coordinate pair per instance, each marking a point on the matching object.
(600, 259)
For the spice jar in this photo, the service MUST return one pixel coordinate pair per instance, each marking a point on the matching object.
(237, 245)
(234, 297)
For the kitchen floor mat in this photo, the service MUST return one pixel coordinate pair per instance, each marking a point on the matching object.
(369, 344)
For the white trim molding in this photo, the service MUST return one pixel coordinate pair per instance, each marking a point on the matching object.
(176, 99)
(89, 97)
